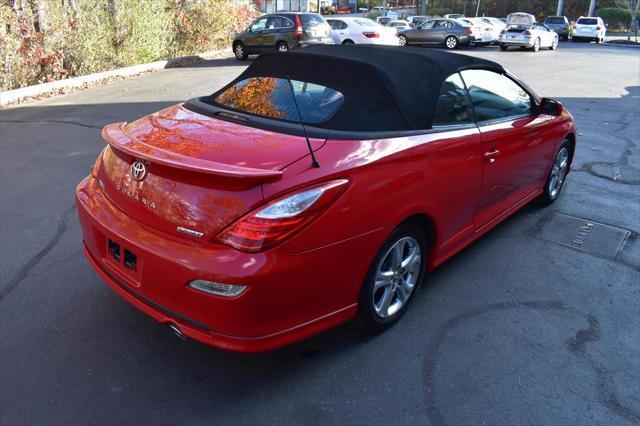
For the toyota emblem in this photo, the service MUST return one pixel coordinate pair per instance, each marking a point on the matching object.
(138, 170)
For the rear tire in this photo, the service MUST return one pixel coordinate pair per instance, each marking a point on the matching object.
(554, 44)
(348, 42)
(239, 51)
(393, 278)
(557, 174)
(536, 45)
(451, 42)
(503, 47)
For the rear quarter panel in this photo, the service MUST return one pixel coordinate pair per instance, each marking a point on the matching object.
(437, 174)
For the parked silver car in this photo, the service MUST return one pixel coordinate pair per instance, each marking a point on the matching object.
(523, 31)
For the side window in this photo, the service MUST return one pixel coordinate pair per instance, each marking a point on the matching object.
(260, 24)
(337, 25)
(427, 25)
(453, 103)
(495, 96)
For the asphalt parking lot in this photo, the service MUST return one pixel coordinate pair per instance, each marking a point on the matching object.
(516, 329)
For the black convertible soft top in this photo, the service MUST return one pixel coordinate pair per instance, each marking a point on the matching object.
(385, 88)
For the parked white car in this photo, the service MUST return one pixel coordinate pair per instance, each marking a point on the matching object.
(399, 25)
(589, 29)
(523, 31)
(482, 31)
(352, 30)
(495, 27)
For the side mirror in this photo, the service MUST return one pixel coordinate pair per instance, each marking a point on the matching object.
(550, 107)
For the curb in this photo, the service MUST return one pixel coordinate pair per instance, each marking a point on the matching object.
(16, 96)
(632, 46)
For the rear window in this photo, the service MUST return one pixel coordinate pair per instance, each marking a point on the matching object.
(311, 19)
(272, 97)
(587, 21)
(366, 23)
(556, 20)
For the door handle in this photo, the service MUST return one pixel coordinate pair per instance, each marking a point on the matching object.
(491, 156)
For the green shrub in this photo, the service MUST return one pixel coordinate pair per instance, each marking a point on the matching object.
(95, 37)
(618, 19)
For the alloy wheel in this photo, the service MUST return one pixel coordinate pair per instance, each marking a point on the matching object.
(402, 40)
(558, 172)
(396, 277)
(239, 51)
(282, 47)
(536, 45)
(451, 42)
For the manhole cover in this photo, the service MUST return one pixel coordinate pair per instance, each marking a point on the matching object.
(584, 235)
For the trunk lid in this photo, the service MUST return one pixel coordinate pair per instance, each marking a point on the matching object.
(520, 20)
(200, 173)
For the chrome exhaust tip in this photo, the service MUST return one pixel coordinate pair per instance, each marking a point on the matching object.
(176, 332)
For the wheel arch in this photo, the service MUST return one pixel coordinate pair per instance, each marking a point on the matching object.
(426, 223)
(571, 137)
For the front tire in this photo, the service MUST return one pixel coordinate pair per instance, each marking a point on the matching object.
(557, 174)
(402, 40)
(393, 278)
(503, 47)
(554, 44)
(451, 42)
(348, 42)
(239, 51)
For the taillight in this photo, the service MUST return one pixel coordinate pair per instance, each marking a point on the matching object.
(468, 31)
(598, 28)
(369, 34)
(96, 166)
(298, 31)
(273, 223)
(527, 33)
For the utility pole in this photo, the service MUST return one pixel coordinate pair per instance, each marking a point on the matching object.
(423, 7)
(592, 7)
(560, 7)
(478, 8)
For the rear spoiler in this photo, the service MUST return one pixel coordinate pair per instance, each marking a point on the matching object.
(117, 137)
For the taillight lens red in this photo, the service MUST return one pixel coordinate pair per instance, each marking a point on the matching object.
(468, 31)
(298, 31)
(368, 34)
(273, 223)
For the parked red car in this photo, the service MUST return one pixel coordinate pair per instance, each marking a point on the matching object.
(317, 186)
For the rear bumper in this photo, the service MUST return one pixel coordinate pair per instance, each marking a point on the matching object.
(306, 43)
(290, 295)
(517, 42)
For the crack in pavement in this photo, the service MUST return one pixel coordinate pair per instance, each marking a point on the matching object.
(75, 123)
(24, 270)
(576, 345)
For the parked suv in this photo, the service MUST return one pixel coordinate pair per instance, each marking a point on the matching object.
(559, 24)
(589, 29)
(281, 32)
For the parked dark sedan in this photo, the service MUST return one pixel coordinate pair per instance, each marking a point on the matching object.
(446, 32)
(281, 32)
(559, 24)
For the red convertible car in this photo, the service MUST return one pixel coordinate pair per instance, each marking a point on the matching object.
(318, 186)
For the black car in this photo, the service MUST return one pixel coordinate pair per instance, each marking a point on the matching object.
(281, 32)
(446, 32)
(559, 24)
